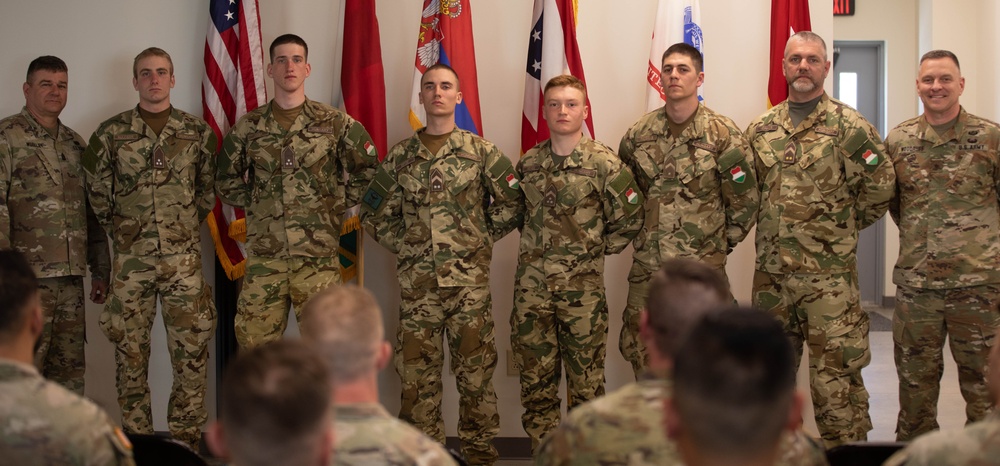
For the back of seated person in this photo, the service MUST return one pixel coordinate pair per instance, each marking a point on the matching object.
(40, 421)
(275, 408)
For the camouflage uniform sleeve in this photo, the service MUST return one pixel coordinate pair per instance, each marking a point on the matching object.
(891, 149)
(5, 174)
(870, 175)
(98, 256)
(360, 160)
(623, 213)
(506, 211)
(96, 162)
(230, 166)
(205, 191)
(382, 206)
(740, 193)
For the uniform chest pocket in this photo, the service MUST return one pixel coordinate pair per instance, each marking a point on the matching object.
(650, 165)
(579, 192)
(318, 164)
(699, 173)
(183, 158)
(35, 168)
(825, 167)
(463, 172)
(409, 177)
(912, 177)
(131, 160)
(973, 177)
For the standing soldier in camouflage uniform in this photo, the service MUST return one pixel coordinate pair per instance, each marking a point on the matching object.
(976, 444)
(439, 201)
(696, 171)
(947, 206)
(40, 421)
(344, 324)
(823, 178)
(626, 427)
(44, 213)
(149, 177)
(284, 163)
(581, 203)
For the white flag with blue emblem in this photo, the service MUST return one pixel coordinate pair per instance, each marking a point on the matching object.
(676, 21)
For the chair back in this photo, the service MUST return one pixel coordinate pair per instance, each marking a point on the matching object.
(156, 450)
(862, 453)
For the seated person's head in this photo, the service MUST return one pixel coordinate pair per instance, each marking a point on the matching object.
(680, 293)
(275, 407)
(344, 323)
(734, 389)
(20, 303)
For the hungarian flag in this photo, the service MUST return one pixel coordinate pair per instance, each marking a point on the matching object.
(787, 18)
(676, 21)
(552, 51)
(446, 37)
(232, 86)
(362, 82)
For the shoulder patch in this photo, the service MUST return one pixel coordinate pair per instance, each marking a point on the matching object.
(828, 131)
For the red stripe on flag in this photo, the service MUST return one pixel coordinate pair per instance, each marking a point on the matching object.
(786, 16)
(363, 78)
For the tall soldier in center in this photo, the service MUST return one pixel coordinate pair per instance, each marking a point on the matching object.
(696, 171)
(439, 201)
(581, 204)
(285, 163)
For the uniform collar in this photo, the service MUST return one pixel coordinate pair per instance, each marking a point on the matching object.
(926, 132)
(172, 127)
(62, 133)
(818, 116)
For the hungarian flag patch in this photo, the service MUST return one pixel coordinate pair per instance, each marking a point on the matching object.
(739, 175)
(631, 196)
(512, 181)
(370, 148)
(870, 157)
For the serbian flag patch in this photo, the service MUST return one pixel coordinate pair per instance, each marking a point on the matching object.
(512, 181)
(870, 157)
(631, 196)
(738, 174)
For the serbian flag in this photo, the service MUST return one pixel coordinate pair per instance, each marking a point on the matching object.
(552, 51)
(446, 37)
(233, 84)
(362, 82)
(676, 21)
(787, 18)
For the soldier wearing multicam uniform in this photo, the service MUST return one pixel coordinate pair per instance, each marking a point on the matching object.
(977, 444)
(439, 201)
(626, 427)
(44, 213)
(40, 421)
(345, 326)
(284, 163)
(947, 206)
(149, 179)
(581, 203)
(823, 178)
(696, 171)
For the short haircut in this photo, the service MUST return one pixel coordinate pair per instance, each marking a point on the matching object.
(151, 52)
(806, 36)
(734, 383)
(18, 285)
(680, 293)
(566, 80)
(288, 39)
(688, 51)
(46, 63)
(276, 403)
(441, 66)
(344, 324)
(935, 54)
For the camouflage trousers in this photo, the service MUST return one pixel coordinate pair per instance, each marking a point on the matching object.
(463, 315)
(550, 330)
(271, 286)
(59, 353)
(921, 320)
(189, 318)
(824, 311)
(629, 343)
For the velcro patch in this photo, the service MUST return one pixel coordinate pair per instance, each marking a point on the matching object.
(767, 128)
(828, 131)
(704, 145)
(320, 129)
(36, 145)
(407, 163)
(468, 156)
(256, 135)
(128, 137)
(188, 136)
(588, 172)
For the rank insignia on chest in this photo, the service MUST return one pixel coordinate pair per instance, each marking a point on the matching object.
(287, 158)
(870, 157)
(159, 161)
(738, 174)
(437, 181)
(789, 157)
(551, 195)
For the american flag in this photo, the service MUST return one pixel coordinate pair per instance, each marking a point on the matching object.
(552, 51)
(233, 85)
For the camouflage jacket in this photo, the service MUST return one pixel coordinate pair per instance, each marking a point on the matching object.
(700, 188)
(976, 444)
(44, 211)
(947, 203)
(821, 183)
(43, 423)
(626, 427)
(575, 214)
(292, 183)
(365, 434)
(435, 210)
(150, 192)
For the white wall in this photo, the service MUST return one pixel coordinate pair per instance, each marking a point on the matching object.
(99, 38)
